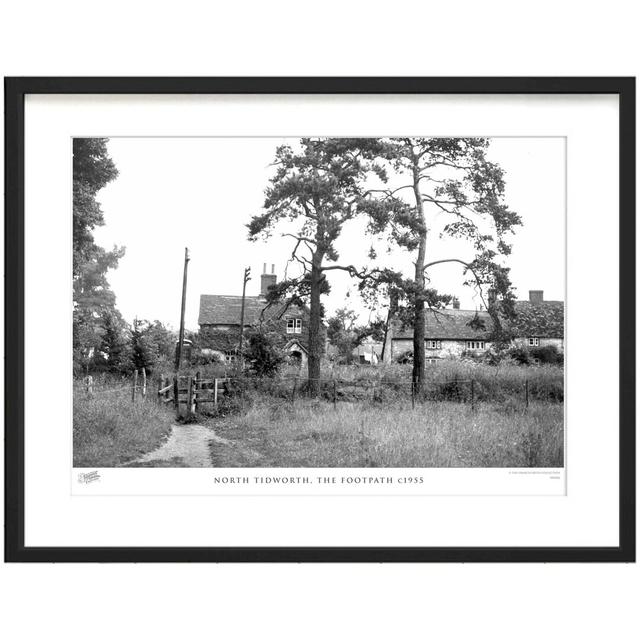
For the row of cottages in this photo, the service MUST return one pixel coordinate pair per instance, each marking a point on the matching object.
(454, 332)
(219, 320)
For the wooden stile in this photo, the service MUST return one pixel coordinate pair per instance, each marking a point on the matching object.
(134, 389)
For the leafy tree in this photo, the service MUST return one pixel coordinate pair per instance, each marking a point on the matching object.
(143, 353)
(93, 169)
(341, 333)
(346, 335)
(316, 189)
(451, 178)
(114, 346)
(163, 339)
(149, 342)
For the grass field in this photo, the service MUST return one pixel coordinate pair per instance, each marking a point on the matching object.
(109, 430)
(271, 423)
(434, 434)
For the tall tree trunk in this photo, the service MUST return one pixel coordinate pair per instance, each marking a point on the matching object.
(418, 319)
(315, 326)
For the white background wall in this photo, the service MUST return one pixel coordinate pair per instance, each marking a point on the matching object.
(331, 38)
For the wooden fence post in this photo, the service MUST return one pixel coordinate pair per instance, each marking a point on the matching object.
(189, 396)
(526, 393)
(144, 383)
(293, 393)
(215, 392)
(473, 396)
(195, 395)
(160, 387)
(135, 386)
(335, 406)
(88, 385)
(176, 400)
(413, 394)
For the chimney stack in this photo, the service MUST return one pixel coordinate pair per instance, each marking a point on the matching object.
(267, 279)
(536, 295)
(455, 303)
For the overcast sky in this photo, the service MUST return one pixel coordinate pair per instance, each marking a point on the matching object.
(173, 193)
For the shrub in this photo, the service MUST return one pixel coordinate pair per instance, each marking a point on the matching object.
(205, 356)
(405, 358)
(521, 355)
(536, 355)
(263, 355)
(548, 355)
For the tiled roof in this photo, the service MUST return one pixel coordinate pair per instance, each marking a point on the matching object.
(539, 319)
(226, 309)
(542, 320)
(451, 324)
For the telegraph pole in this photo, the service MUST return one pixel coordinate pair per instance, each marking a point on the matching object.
(184, 300)
(247, 277)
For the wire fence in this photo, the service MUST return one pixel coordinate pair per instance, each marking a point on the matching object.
(192, 393)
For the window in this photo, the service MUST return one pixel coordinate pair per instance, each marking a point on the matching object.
(434, 344)
(230, 357)
(534, 342)
(294, 325)
(475, 345)
(432, 360)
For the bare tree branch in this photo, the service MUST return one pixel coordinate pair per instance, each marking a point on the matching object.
(467, 266)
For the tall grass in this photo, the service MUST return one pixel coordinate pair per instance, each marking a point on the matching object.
(110, 430)
(445, 434)
(446, 380)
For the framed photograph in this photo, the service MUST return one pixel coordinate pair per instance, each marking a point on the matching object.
(320, 319)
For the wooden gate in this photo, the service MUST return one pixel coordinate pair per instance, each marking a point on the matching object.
(188, 393)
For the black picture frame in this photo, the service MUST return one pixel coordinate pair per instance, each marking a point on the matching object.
(15, 91)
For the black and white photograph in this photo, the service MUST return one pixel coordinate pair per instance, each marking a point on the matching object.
(318, 302)
(321, 320)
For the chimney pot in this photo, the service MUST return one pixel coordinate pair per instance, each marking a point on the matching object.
(536, 295)
(273, 268)
(264, 267)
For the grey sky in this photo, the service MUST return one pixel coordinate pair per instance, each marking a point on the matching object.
(201, 192)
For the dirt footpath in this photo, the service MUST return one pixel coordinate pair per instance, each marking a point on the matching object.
(187, 446)
(195, 445)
